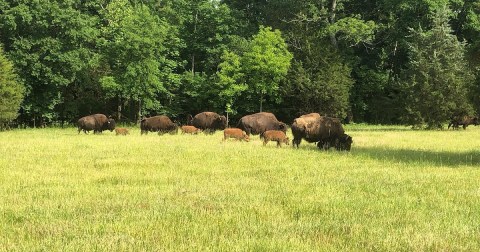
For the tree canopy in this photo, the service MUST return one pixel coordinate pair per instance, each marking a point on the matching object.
(382, 61)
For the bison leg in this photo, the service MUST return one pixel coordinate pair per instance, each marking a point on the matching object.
(279, 143)
(296, 142)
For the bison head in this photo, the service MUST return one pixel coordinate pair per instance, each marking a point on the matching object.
(344, 142)
(245, 136)
(282, 127)
(111, 124)
(221, 122)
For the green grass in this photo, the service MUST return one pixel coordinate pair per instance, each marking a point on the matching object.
(398, 189)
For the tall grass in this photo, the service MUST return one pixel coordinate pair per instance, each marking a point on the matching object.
(398, 189)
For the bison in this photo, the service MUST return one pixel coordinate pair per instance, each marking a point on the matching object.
(327, 131)
(235, 133)
(190, 130)
(275, 135)
(464, 121)
(341, 143)
(121, 131)
(96, 122)
(161, 124)
(260, 122)
(209, 122)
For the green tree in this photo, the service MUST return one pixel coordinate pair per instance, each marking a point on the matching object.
(436, 82)
(11, 91)
(50, 45)
(230, 81)
(134, 51)
(266, 63)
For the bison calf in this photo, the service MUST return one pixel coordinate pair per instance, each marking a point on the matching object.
(275, 135)
(190, 130)
(235, 133)
(121, 131)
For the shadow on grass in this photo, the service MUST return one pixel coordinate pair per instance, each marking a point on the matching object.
(441, 159)
(380, 129)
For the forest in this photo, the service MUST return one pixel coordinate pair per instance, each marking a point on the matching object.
(410, 62)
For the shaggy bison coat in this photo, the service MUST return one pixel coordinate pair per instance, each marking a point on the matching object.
(209, 122)
(340, 143)
(327, 131)
(121, 131)
(161, 124)
(235, 133)
(275, 135)
(464, 121)
(96, 122)
(260, 122)
(190, 130)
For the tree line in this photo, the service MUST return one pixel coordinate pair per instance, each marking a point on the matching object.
(413, 62)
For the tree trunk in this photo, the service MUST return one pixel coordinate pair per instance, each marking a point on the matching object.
(119, 109)
(332, 21)
(227, 119)
(194, 39)
(139, 116)
(261, 101)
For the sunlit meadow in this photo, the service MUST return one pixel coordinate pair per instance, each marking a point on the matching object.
(398, 189)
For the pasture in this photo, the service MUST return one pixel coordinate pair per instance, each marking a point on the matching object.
(398, 189)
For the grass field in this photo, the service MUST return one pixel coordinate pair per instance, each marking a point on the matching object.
(398, 189)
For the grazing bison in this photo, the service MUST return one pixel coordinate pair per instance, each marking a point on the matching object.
(260, 122)
(190, 130)
(121, 131)
(235, 133)
(275, 135)
(327, 131)
(161, 124)
(96, 122)
(341, 143)
(209, 122)
(464, 120)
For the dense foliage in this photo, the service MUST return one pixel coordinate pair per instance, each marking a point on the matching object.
(11, 91)
(411, 62)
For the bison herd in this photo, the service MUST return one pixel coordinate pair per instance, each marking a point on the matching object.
(325, 131)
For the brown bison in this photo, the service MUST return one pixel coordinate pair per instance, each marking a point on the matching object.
(464, 121)
(209, 122)
(121, 131)
(190, 130)
(96, 122)
(235, 133)
(275, 135)
(161, 124)
(327, 131)
(260, 122)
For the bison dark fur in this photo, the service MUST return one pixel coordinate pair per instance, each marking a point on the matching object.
(326, 130)
(96, 122)
(209, 122)
(161, 124)
(340, 143)
(464, 121)
(260, 122)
